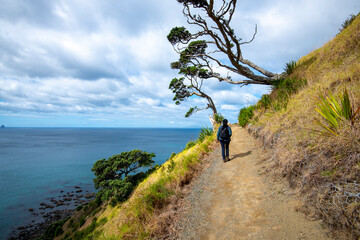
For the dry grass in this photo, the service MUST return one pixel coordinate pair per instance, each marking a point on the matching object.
(312, 161)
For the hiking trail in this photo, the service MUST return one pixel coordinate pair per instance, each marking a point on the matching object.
(235, 200)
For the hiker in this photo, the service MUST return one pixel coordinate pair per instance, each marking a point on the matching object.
(223, 135)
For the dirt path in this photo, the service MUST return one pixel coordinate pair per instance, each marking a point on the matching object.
(233, 200)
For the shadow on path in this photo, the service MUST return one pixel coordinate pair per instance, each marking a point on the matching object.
(241, 155)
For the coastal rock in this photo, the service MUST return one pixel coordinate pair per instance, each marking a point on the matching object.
(67, 199)
(77, 187)
(42, 204)
(78, 191)
(89, 195)
(31, 209)
(79, 196)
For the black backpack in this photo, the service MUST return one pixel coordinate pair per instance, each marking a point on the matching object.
(224, 133)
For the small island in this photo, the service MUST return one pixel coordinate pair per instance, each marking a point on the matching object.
(2, 126)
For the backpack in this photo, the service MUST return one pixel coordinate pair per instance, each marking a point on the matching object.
(224, 133)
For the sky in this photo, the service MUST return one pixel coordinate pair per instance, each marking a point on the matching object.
(96, 63)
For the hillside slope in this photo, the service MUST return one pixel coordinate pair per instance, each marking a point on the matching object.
(324, 168)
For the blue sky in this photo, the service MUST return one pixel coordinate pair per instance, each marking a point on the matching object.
(106, 63)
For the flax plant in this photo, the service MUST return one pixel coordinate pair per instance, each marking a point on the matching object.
(335, 112)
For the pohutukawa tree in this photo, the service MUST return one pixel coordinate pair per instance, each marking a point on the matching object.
(199, 52)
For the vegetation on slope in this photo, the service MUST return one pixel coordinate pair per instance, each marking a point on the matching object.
(323, 167)
(140, 216)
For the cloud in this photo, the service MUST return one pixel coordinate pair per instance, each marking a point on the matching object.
(107, 62)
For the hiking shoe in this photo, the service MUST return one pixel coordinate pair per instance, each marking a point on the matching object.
(227, 159)
(224, 160)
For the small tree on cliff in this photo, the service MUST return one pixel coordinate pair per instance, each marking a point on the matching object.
(119, 166)
(218, 38)
(112, 175)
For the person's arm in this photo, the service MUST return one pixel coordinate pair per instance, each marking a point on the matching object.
(218, 134)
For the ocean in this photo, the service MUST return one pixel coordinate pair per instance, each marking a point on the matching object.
(43, 165)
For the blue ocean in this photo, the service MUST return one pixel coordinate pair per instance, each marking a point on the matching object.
(40, 164)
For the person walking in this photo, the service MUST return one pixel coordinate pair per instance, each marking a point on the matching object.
(224, 137)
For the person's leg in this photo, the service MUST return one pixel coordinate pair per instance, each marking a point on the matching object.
(227, 150)
(222, 149)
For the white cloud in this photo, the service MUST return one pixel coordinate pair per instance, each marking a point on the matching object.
(108, 61)
(148, 101)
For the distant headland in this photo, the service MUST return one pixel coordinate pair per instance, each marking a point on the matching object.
(2, 126)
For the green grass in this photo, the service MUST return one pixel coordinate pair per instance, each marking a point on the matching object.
(133, 219)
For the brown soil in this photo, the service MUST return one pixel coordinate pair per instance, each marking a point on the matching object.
(238, 200)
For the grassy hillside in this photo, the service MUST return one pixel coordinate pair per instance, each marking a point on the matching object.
(323, 167)
(146, 213)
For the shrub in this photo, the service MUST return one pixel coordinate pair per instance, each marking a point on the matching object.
(265, 101)
(204, 133)
(54, 230)
(284, 88)
(190, 144)
(171, 165)
(219, 118)
(156, 195)
(290, 67)
(82, 221)
(245, 115)
(347, 22)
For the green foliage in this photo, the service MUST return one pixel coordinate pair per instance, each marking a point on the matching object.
(54, 230)
(191, 111)
(171, 165)
(190, 144)
(290, 67)
(178, 34)
(172, 156)
(195, 3)
(204, 132)
(284, 89)
(181, 90)
(347, 22)
(79, 208)
(82, 221)
(84, 234)
(328, 173)
(245, 115)
(219, 118)
(112, 175)
(118, 165)
(265, 101)
(156, 195)
(335, 111)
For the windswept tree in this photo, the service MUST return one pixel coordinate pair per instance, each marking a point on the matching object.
(200, 52)
(112, 174)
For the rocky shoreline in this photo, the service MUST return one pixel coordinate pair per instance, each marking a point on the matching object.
(57, 208)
